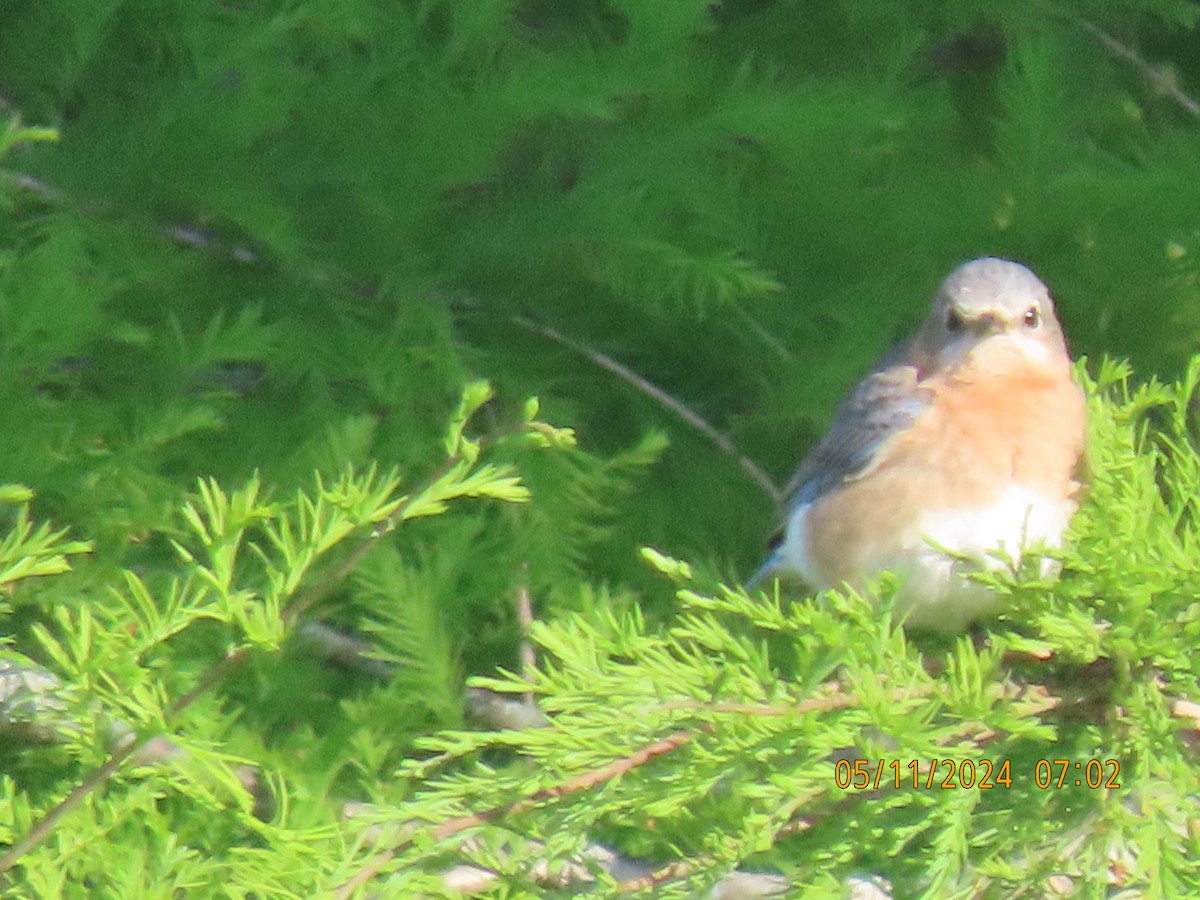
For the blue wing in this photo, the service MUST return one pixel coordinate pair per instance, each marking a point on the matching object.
(885, 403)
(888, 401)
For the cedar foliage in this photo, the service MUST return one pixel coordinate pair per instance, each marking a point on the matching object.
(241, 295)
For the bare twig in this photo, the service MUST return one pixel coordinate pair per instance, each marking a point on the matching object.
(737, 884)
(35, 186)
(524, 622)
(341, 649)
(769, 340)
(650, 389)
(1186, 709)
(1163, 81)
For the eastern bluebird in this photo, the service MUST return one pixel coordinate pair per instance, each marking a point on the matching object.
(962, 443)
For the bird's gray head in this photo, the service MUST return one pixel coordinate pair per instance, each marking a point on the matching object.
(991, 300)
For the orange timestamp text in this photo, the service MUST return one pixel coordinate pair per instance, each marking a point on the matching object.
(984, 774)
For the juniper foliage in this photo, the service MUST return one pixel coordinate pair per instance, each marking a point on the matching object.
(251, 254)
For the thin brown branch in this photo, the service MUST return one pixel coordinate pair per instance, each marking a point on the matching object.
(1186, 709)
(769, 340)
(524, 623)
(581, 782)
(650, 389)
(1029, 700)
(1163, 81)
(43, 828)
(670, 872)
(45, 825)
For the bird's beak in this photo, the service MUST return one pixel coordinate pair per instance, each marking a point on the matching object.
(987, 324)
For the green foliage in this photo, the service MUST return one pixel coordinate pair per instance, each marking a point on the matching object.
(255, 256)
(717, 742)
(305, 225)
(732, 733)
(130, 665)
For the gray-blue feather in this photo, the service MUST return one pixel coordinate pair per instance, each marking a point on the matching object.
(885, 403)
(888, 401)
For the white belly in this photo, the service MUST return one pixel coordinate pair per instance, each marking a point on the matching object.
(935, 593)
(931, 561)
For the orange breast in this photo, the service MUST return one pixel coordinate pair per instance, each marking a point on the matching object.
(997, 421)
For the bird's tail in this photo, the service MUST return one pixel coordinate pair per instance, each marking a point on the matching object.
(760, 574)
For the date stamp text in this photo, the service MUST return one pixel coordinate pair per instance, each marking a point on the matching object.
(983, 774)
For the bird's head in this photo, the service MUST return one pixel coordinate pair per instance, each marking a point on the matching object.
(991, 306)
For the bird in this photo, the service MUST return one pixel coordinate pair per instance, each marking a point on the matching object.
(961, 449)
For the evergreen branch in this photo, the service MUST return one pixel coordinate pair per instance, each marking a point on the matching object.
(45, 826)
(1163, 81)
(320, 591)
(200, 239)
(215, 674)
(1032, 700)
(573, 785)
(650, 389)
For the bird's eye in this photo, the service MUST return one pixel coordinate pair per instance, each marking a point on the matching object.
(954, 321)
(1033, 318)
